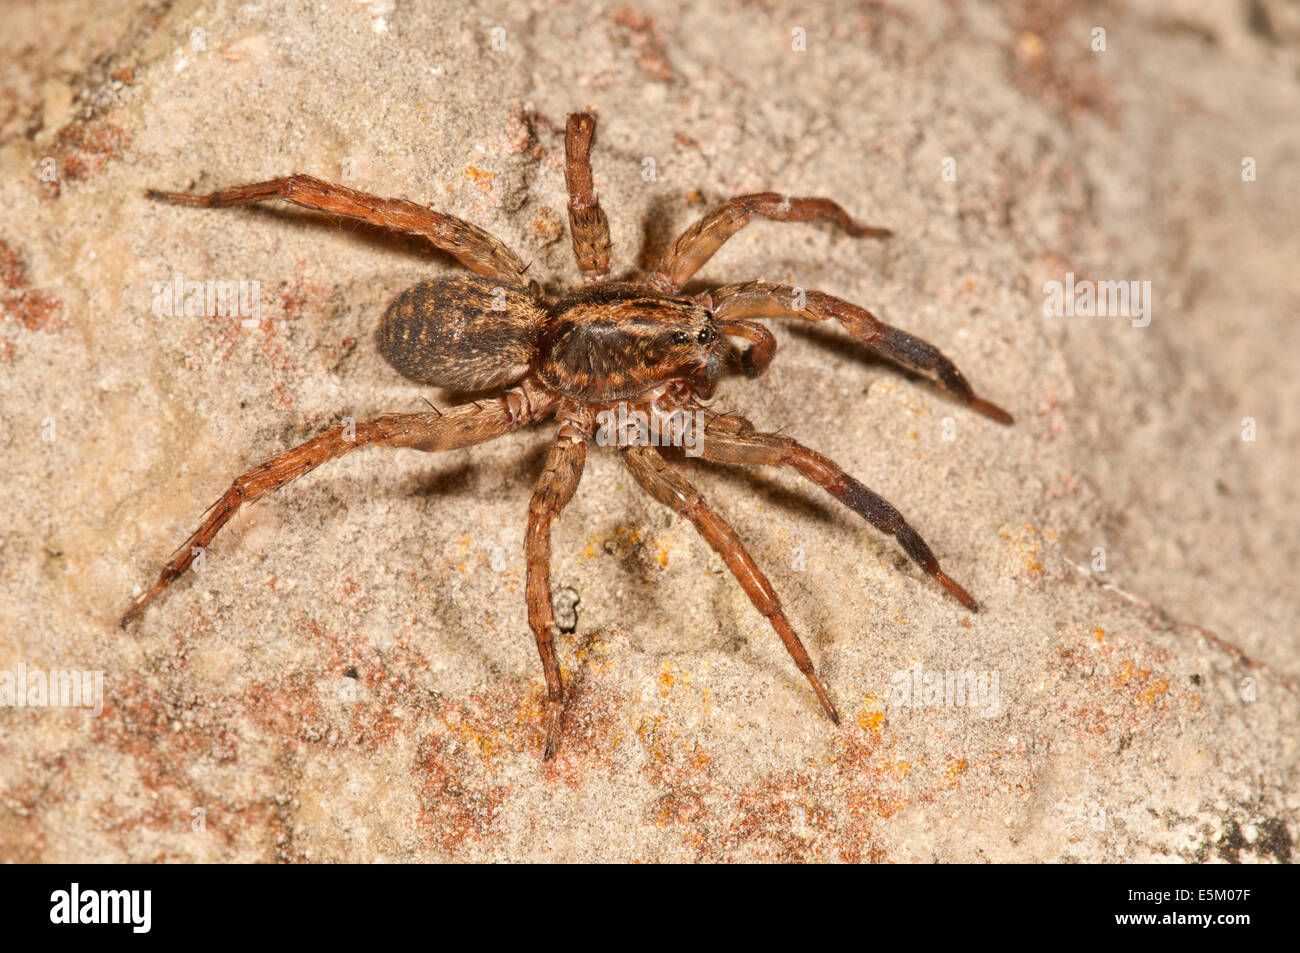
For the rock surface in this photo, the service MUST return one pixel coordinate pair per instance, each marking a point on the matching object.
(351, 676)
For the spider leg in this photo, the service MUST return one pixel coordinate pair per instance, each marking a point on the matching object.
(476, 249)
(558, 482)
(761, 299)
(733, 440)
(669, 487)
(696, 245)
(588, 226)
(460, 426)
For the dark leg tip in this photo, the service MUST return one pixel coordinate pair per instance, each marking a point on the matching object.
(962, 595)
(553, 712)
(828, 706)
(130, 616)
(992, 411)
(137, 607)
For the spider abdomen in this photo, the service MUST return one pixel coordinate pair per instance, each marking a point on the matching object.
(464, 333)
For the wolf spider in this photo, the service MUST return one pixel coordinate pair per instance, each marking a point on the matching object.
(637, 344)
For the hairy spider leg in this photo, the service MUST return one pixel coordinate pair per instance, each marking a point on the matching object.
(461, 426)
(761, 299)
(696, 244)
(476, 249)
(732, 440)
(559, 480)
(588, 226)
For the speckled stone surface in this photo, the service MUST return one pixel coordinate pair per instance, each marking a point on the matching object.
(351, 676)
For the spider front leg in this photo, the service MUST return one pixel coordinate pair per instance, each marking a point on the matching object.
(558, 482)
(698, 243)
(588, 226)
(476, 249)
(461, 426)
(731, 439)
(673, 490)
(757, 299)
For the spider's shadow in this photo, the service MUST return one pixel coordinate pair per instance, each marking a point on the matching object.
(753, 480)
(838, 341)
(524, 469)
(443, 486)
(657, 232)
(803, 501)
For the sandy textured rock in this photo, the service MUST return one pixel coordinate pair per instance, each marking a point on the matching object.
(351, 676)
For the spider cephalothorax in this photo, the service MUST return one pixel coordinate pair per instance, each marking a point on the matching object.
(639, 348)
(616, 341)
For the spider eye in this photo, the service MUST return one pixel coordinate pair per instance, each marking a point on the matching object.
(705, 335)
(679, 337)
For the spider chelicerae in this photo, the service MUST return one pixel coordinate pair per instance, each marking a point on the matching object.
(626, 361)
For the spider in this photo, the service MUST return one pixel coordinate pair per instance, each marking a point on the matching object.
(639, 347)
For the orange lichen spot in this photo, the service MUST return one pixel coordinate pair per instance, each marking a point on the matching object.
(1026, 540)
(623, 538)
(667, 680)
(1128, 672)
(885, 807)
(1030, 46)
(1099, 635)
(955, 767)
(480, 177)
(1158, 687)
(656, 741)
(871, 720)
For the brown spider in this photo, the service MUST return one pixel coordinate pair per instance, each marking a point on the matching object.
(638, 353)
